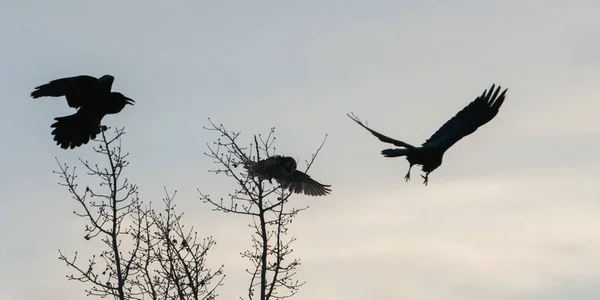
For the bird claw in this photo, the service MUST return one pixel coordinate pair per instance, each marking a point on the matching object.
(426, 179)
(103, 128)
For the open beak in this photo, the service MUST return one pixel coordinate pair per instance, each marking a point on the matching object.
(129, 101)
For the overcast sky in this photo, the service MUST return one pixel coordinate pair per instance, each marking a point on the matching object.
(513, 213)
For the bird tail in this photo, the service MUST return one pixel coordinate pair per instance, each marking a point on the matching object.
(74, 130)
(395, 152)
(250, 166)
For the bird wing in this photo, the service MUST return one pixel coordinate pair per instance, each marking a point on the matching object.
(77, 89)
(381, 137)
(105, 82)
(75, 130)
(299, 182)
(480, 111)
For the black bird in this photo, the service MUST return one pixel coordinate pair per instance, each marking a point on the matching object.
(283, 170)
(92, 97)
(480, 111)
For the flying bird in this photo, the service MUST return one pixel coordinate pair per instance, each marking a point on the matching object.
(93, 99)
(283, 170)
(429, 155)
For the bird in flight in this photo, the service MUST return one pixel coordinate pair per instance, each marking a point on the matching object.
(93, 99)
(283, 170)
(429, 155)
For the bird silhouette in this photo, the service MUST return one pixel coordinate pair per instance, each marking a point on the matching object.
(93, 99)
(477, 113)
(283, 170)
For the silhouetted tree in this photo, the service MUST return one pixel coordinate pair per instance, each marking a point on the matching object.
(143, 254)
(268, 206)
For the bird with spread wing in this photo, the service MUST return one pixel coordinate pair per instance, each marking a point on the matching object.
(429, 155)
(93, 99)
(283, 170)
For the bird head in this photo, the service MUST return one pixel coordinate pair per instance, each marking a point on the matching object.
(118, 102)
(288, 164)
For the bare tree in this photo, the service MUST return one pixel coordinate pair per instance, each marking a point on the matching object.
(274, 272)
(143, 254)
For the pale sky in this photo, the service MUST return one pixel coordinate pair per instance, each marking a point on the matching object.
(513, 213)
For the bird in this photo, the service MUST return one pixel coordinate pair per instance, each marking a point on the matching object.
(283, 170)
(430, 154)
(93, 99)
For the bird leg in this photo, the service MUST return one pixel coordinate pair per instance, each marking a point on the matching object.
(425, 177)
(407, 177)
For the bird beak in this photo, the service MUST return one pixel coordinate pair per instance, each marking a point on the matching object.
(129, 101)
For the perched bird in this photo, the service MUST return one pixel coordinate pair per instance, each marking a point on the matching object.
(480, 111)
(283, 170)
(93, 99)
